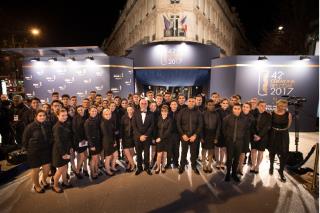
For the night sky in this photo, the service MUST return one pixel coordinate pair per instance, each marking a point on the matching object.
(91, 22)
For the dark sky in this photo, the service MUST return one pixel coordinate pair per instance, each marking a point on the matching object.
(88, 23)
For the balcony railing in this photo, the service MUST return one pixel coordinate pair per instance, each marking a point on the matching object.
(175, 33)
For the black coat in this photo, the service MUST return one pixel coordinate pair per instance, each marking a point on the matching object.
(229, 124)
(37, 139)
(107, 129)
(263, 126)
(92, 132)
(28, 116)
(190, 122)
(211, 125)
(78, 130)
(164, 128)
(140, 128)
(62, 143)
(19, 111)
(126, 130)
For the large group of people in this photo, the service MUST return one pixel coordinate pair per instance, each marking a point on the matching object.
(151, 134)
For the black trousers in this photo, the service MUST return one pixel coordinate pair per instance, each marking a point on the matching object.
(173, 150)
(145, 148)
(233, 155)
(283, 157)
(193, 151)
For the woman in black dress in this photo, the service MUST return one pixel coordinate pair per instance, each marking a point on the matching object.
(126, 134)
(220, 149)
(109, 143)
(246, 113)
(92, 132)
(164, 125)
(279, 136)
(37, 141)
(261, 134)
(62, 148)
(80, 142)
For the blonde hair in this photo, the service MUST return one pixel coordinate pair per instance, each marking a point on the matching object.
(282, 102)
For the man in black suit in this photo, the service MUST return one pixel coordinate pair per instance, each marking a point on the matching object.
(189, 124)
(143, 123)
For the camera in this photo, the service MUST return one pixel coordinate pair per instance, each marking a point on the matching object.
(295, 101)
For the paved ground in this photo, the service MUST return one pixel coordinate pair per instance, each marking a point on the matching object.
(167, 192)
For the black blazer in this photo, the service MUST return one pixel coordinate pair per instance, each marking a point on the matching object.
(229, 123)
(126, 130)
(140, 128)
(34, 139)
(164, 128)
(263, 125)
(190, 122)
(211, 125)
(78, 129)
(62, 139)
(92, 131)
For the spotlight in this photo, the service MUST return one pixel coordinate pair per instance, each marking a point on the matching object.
(71, 59)
(89, 58)
(305, 58)
(51, 60)
(34, 59)
(262, 58)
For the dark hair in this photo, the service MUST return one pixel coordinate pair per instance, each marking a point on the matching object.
(93, 91)
(174, 101)
(165, 107)
(168, 93)
(248, 103)
(55, 93)
(99, 95)
(39, 111)
(215, 93)
(73, 96)
(86, 99)
(261, 102)
(109, 92)
(61, 111)
(124, 99)
(56, 101)
(35, 99)
(210, 101)
(181, 95)
(117, 97)
(236, 104)
(159, 95)
(65, 96)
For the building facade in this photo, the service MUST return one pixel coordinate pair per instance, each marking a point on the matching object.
(210, 22)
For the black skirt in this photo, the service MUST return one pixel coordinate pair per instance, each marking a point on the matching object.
(127, 143)
(97, 151)
(38, 158)
(258, 145)
(278, 142)
(162, 146)
(108, 148)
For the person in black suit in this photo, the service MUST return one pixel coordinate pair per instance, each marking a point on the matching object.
(247, 114)
(211, 131)
(127, 140)
(235, 128)
(79, 137)
(29, 115)
(37, 141)
(107, 128)
(18, 109)
(261, 136)
(62, 149)
(143, 125)
(174, 144)
(92, 131)
(164, 128)
(189, 125)
(220, 148)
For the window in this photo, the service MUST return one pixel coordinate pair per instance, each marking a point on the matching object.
(175, 27)
(175, 1)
